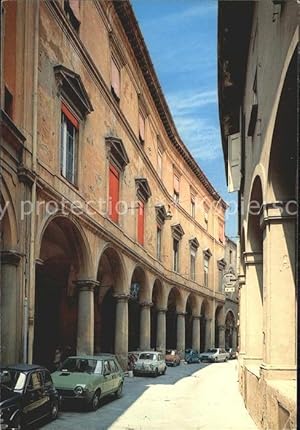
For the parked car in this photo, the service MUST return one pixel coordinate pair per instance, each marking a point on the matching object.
(89, 378)
(27, 396)
(132, 358)
(191, 356)
(150, 363)
(172, 357)
(231, 352)
(214, 354)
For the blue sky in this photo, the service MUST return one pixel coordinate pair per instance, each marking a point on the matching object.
(181, 36)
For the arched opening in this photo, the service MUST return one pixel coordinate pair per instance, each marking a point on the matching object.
(157, 304)
(203, 316)
(229, 327)
(171, 318)
(63, 258)
(137, 293)
(190, 304)
(110, 277)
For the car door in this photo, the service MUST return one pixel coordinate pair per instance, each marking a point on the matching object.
(115, 378)
(107, 383)
(33, 402)
(48, 390)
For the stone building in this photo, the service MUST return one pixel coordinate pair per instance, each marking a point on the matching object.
(111, 234)
(257, 44)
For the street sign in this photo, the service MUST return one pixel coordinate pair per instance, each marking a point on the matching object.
(229, 289)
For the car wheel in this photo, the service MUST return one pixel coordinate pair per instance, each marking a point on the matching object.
(54, 410)
(94, 403)
(16, 423)
(226, 359)
(119, 391)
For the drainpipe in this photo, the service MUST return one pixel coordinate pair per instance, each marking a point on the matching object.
(31, 289)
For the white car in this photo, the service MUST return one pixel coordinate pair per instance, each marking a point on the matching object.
(150, 363)
(214, 354)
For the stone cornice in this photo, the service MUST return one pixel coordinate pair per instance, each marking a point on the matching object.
(279, 211)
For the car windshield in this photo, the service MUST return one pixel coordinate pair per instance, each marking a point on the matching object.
(147, 356)
(188, 351)
(212, 350)
(82, 365)
(12, 379)
(170, 352)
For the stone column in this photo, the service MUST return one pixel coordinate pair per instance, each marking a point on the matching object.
(196, 333)
(181, 333)
(254, 306)
(242, 316)
(85, 325)
(161, 330)
(221, 329)
(121, 333)
(280, 300)
(208, 334)
(10, 318)
(145, 325)
(234, 338)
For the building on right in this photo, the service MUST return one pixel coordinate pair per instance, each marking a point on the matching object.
(257, 86)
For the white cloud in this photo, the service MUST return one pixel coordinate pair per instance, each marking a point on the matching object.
(200, 136)
(185, 102)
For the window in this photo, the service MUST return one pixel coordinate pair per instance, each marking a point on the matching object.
(115, 80)
(72, 10)
(114, 178)
(230, 256)
(176, 188)
(193, 205)
(177, 233)
(159, 162)
(193, 264)
(141, 222)
(206, 216)
(8, 102)
(194, 244)
(206, 261)
(158, 242)
(221, 232)
(69, 135)
(175, 255)
(141, 127)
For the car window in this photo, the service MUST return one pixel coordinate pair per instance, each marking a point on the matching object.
(35, 381)
(47, 378)
(106, 368)
(213, 350)
(13, 379)
(81, 365)
(113, 366)
(147, 356)
(99, 366)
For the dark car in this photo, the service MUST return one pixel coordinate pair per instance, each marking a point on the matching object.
(191, 356)
(27, 395)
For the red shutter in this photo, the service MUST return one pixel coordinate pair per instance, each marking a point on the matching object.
(113, 193)
(141, 222)
(142, 127)
(115, 78)
(69, 115)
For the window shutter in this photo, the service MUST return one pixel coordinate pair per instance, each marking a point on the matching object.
(115, 78)
(234, 162)
(75, 6)
(114, 192)
(70, 116)
(176, 184)
(141, 222)
(141, 127)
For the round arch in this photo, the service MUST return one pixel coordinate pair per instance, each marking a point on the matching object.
(175, 304)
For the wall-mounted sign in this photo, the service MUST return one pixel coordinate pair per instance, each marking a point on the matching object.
(229, 280)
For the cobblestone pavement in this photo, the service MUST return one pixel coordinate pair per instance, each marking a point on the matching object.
(195, 396)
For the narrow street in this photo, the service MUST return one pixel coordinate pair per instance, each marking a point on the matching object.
(196, 396)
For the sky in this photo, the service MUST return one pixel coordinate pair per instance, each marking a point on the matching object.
(181, 36)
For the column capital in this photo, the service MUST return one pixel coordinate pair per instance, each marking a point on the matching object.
(221, 327)
(86, 284)
(279, 211)
(181, 314)
(208, 319)
(122, 297)
(162, 310)
(10, 257)
(241, 280)
(253, 258)
(146, 304)
(196, 317)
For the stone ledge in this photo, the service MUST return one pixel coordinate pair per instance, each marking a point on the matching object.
(254, 369)
(286, 390)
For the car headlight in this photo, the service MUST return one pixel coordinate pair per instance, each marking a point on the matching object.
(78, 390)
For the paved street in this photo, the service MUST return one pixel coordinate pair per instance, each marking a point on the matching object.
(196, 396)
